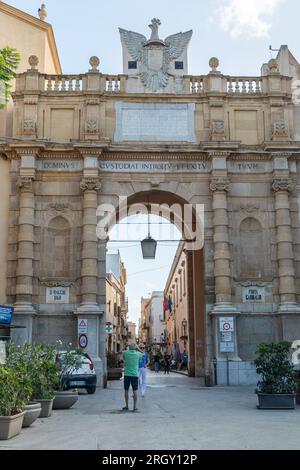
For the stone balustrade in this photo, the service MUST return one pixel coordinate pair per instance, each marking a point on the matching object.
(97, 82)
(194, 84)
(244, 85)
(61, 83)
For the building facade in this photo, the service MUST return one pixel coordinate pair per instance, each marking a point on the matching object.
(157, 136)
(177, 307)
(132, 337)
(116, 304)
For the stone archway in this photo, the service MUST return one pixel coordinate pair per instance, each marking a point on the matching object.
(195, 272)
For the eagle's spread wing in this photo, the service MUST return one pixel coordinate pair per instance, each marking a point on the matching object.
(176, 44)
(134, 43)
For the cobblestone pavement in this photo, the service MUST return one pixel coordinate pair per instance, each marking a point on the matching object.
(177, 413)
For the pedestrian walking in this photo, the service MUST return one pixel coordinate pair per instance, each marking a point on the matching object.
(131, 374)
(167, 363)
(143, 370)
(156, 362)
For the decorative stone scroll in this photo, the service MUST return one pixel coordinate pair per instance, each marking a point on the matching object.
(90, 184)
(219, 184)
(26, 183)
(282, 184)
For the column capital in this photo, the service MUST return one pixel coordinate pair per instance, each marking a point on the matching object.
(219, 184)
(25, 183)
(90, 184)
(282, 184)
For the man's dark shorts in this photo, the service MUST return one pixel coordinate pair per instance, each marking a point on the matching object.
(133, 381)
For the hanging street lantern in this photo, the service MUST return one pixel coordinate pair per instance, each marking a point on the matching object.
(149, 246)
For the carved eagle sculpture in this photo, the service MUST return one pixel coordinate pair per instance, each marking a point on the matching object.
(172, 48)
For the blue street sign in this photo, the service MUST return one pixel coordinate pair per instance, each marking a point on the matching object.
(6, 314)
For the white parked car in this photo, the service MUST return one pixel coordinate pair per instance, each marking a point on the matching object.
(82, 377)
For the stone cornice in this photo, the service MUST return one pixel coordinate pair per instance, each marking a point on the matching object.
(154, 156)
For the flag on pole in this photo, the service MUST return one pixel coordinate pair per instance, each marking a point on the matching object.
(170, 304)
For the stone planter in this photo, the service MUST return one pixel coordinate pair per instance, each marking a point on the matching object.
(32, 412)
(114, 374)
(10, 426)
(65, 400)
(47, 406)
(276, 402)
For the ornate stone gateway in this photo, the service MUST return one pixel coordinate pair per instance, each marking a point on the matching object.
(225, 142)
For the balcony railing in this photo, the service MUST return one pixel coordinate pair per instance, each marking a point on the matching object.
(97, 83)
(244, 85)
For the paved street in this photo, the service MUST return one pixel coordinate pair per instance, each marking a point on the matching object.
(177, 413)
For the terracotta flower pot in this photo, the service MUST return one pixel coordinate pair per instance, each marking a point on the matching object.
(10, 426)
(65, 400)
(32, 412)
(47, 406)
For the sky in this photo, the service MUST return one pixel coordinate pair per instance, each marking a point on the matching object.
(238, 32)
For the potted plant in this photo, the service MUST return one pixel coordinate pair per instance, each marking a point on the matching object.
(43, 371)
(66, 361)
(114, 371)
(14, 394)
(19, 359)
(276, 389)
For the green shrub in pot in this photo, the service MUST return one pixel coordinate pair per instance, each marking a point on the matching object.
(277, 385)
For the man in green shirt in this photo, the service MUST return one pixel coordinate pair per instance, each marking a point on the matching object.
(131, 373)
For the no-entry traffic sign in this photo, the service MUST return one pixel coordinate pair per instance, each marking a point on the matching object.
(83, 341)
(227, 325)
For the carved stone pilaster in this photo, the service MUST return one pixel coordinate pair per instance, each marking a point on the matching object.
(282, 184)
(219, 184)
(90, 184)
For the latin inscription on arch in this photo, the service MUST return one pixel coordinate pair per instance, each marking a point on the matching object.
(154, 167)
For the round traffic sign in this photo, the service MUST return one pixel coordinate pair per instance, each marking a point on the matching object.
(83, 341)
(226, 326)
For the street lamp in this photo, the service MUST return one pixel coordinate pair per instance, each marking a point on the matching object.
(149, 245)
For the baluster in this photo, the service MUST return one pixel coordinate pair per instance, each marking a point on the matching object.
(193, 86)
(237, 86)
(71, 85)
(258, 86)
(63, 83)
(229, 86)
(56, 84)
(49, 84)
(244, 87)
(109, 84)
(117, 88)
(77, 84)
